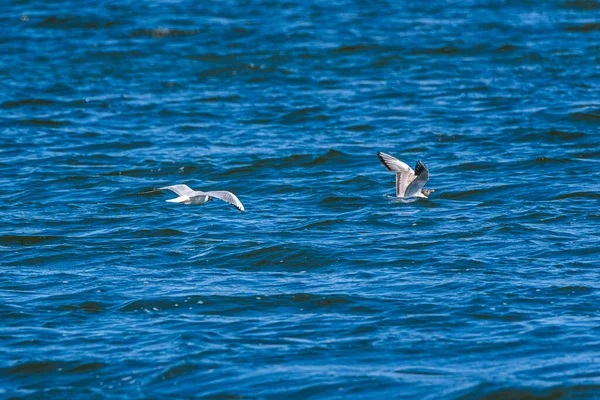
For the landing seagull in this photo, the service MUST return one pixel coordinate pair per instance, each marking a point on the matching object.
(188, 195)
(409, 183)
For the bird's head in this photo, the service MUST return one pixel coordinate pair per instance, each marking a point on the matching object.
(427, 192)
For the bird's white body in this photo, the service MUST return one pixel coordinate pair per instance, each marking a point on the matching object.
(188, 195)
(191, 199)
(420, 194)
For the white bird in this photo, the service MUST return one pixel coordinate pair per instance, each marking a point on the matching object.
(188, 195)
(409, 183)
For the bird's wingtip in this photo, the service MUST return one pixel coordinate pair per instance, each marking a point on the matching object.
(240, 207)
(387, 161)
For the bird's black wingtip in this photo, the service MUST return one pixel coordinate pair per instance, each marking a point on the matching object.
(384, 159)
(420, 167)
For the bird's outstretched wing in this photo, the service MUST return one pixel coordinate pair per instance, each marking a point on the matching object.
(404, 173)
(392, 163)
(422, 176)
(228, 197)
(181, 190)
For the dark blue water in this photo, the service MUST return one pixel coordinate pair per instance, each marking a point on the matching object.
(328, 286)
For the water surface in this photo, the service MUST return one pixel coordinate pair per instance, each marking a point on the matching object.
(328, 286)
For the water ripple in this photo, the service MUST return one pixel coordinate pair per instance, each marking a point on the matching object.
(329, 285)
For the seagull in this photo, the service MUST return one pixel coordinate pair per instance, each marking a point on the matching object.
(188, 195)
(409, 183)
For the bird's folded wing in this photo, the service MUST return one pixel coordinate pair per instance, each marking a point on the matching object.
(393, 164)
(422, 176)
(181, 190)
(228, 197)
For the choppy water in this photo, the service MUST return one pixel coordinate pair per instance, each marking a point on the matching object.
(327, 286)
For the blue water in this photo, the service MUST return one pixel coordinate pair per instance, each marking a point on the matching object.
(327, 286)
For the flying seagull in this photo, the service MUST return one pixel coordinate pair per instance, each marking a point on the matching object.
(188, 195)
(409, 183)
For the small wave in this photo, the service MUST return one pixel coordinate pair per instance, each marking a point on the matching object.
(422, 371)
(239, 69)
(531, 56)
(118, 54)
(202, 115)
(122, 145)
(68, 23)
(150, 305)
(177, 371)
(476, 193)
(224, 305)
(303, 115)
(360, 180)
(490, 203)
(159, 33)
(331, 157)
(360, 128)
(493, 391)
(86, 368)
(53, 22)
(575, 289)
(316, 301)
(287, 257)
(361, 183)
(350, 49)
(542, 160)
(361, 48)
(477, 166)
(26, 240)
(156, 233)
(594, 26)
(131, 172)
(506, 48)
(28, 102)
(219, 99)
(214, 58)
(43, 122)
(343, 201)
(587, 116)
(322, 224)
(575, 195)
(34, 368)
(88, 306)
(581, 5)
(443, 50)
(589, 155)
(550, 136)
(293, 160)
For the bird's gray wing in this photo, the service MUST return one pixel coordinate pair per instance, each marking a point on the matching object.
(421, 178)
(181, 190)
(392, 163)
(228, 197)
(403, 179)
(404, 173)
